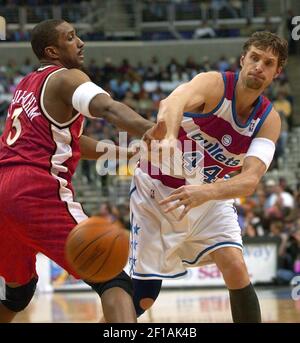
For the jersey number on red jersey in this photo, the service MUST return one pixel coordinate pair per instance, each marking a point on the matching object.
(16, 125)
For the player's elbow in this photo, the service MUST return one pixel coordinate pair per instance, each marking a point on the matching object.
(252, 183)
(163, 104)
(169, 104)
(101, 106)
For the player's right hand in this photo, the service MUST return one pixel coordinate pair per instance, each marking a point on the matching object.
(152, 138)
(157, 132)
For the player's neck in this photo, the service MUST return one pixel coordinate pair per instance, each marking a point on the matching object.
(245, 97)
(45, 63)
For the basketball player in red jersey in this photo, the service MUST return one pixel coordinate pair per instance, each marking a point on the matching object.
(39, 151)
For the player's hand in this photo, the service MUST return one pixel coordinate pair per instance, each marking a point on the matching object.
(133, 150)
(151, 139)
(188, 196)
(157, 132)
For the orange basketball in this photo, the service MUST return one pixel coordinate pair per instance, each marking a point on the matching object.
(97, 250)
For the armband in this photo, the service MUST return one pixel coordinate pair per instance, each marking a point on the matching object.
(83, 95)
(263, 149)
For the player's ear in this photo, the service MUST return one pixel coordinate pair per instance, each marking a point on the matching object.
(242, 60)
(279, 70)
(51, 52)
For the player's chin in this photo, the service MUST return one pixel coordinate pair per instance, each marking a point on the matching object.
(255, 84)
(79, 63)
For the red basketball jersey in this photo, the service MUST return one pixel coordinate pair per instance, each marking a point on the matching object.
(38, 157)
(32, 138)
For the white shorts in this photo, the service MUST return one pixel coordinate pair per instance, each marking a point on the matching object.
(163, 247)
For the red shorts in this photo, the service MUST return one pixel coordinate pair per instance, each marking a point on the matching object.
(37, 212)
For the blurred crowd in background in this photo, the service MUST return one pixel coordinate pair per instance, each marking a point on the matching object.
(144, 85)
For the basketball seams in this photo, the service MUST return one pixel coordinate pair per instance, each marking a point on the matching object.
(89, 259)
(108, 255)
(94, 240)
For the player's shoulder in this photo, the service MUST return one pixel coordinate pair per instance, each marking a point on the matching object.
(212, 80)
(211, 83)
(69, 75)
(67, 78)
(271, 126)
(273, 117)
(210, 76)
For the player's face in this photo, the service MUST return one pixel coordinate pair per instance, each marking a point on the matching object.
(259, 68)
(70, 46)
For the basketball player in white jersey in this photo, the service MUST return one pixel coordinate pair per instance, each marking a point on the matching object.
(177, 224)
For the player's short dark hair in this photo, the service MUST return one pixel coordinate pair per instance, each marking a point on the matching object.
(267, 40)
(44, 34)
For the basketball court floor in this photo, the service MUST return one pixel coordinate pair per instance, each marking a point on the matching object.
(172, 306)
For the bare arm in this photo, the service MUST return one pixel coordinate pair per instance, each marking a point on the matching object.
(103, 106)
(189, 97)
(120, 115)
(91, 149)
(243, 184)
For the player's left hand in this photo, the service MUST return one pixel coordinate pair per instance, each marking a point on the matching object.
(188, 196)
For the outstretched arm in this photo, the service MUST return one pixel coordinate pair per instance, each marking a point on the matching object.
(189, 97)
(120, 115)
(100, 105)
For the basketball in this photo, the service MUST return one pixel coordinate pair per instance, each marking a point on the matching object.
(97, 249)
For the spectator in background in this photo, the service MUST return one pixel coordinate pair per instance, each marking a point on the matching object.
(93, 69)
(204, 31)
(145, 104)
(277, 230)
(223, 65)
(237, 6)
(280, 203)
(108, 70)
(234, 64)
(282, 85)
(130, 100)
(157, 96)
(253, 224)
(289, 261)
(270, 187)
(206, 64)
(284, 185)
(155, 65)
